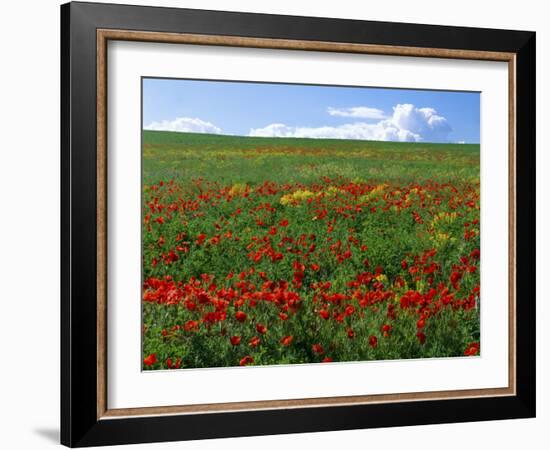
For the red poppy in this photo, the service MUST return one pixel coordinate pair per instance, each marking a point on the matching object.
(420, 324)
(246, 360)
(351, 333)
(235, 340)
(191, 325)
(283, 223)
(324, 314)
(171, 365)
(317, 348)
(327, 359)
(240, 316)
(254, 342)
(417, 217)
(386, 329)
(283, 316)
(373, 341)
(150, 360)
(287, 340)
(262, 329)
(421, 337)
(472, 349)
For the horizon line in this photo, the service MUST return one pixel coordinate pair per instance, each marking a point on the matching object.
(306, 138)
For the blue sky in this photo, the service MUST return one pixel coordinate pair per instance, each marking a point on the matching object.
(277, 110)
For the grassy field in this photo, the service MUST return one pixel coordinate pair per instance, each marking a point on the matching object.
(277, 251)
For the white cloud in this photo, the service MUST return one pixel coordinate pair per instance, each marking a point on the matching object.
(359, 112)
(422, 121)
(360, 130)
(184, 124)
(407, 124)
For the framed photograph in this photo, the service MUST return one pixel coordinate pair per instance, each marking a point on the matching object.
(276, 224)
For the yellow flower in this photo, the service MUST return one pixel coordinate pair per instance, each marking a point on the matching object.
(238, 189)
(296, 197)
(444, 217)
(375, 193)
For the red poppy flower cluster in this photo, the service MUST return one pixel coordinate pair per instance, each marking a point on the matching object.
(332, 270)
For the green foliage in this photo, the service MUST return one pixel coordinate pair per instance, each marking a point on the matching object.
(401, 218)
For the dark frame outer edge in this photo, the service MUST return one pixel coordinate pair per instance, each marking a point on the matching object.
(65, 228)
(79, 425)
(525, 223)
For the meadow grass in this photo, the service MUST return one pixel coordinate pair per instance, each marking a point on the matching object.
(284, 250)
(238, 159)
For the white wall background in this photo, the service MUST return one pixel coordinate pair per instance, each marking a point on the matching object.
(29, 223)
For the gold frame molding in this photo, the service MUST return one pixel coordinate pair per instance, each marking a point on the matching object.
(105, 35)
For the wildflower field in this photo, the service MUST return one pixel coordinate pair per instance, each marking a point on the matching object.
(280, 251)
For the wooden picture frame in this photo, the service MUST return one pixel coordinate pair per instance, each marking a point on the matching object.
(86, 418)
